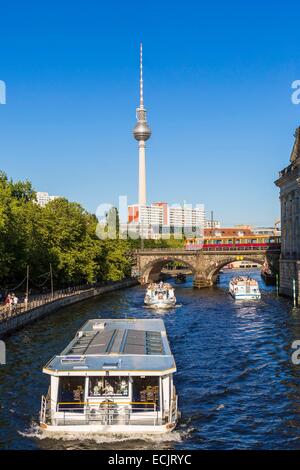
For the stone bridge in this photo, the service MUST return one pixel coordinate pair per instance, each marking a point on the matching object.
(205, 264)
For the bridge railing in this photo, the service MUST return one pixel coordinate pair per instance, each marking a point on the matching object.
(239, 249)
(8, 311)
(230, 249)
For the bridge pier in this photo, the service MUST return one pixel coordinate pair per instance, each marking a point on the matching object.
(201, 281)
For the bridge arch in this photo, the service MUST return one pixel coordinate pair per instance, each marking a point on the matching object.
(214, 268)
(204, 264)
(153, 268)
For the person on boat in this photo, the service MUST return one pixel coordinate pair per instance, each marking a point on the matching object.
(78, 393)
(108, 389)
(97, 389)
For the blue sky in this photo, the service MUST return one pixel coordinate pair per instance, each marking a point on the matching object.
(217, 88)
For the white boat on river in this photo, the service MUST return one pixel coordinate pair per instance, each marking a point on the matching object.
(160, 296)
(115, 376)
(244, 288)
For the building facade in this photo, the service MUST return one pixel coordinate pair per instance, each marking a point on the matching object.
(212, 223)
(43, 198)
(289, 184)
(160, 219)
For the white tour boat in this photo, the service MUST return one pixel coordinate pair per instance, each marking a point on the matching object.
(160, 296)
(245, 288)
(115, 376)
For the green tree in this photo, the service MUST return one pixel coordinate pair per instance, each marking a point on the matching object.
(61, 233)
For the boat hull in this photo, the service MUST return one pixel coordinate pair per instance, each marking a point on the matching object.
(246, 296)
(108, 429)
(160, 305)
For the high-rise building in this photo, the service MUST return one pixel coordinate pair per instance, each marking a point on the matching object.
(43, 198)
(186, 216)
(159, 218)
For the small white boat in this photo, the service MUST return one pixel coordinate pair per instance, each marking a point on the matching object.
(244, 288)
(115, 376)
(160, 296)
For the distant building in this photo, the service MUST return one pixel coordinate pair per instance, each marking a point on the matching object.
(186, 216)
(240, 234)
(212, 223)
(227, 232)
(43, 198)
(160, 218)
(267, 231)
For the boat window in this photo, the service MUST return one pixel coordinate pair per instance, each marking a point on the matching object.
(106, 386)
(70, 393)
(145, 390)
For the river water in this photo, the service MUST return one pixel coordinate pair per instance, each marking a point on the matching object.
(237, 386)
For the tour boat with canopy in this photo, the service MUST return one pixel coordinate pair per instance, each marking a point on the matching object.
(244, 288)
(160, 296)
(115, 376)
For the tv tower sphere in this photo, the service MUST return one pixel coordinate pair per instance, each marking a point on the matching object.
(142, 130)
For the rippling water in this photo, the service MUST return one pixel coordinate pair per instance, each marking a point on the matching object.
(236, 384)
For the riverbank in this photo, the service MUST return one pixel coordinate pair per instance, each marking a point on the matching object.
(13, 321)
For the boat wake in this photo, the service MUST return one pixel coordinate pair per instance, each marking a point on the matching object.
(144, 440)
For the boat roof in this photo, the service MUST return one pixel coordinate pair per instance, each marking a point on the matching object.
(116, 345)
(243, 279)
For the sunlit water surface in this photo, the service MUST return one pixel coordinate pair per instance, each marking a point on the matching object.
(237, 386)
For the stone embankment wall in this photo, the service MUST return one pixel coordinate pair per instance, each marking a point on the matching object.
(31, 315)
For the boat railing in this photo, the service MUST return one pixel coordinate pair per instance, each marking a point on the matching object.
(173, 406)
(43, 410)
(45, 407)
(175, 410)
(131, 413)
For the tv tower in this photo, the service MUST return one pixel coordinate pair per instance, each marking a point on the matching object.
(141, 133)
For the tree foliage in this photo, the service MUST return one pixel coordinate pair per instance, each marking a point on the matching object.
(61, 233)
